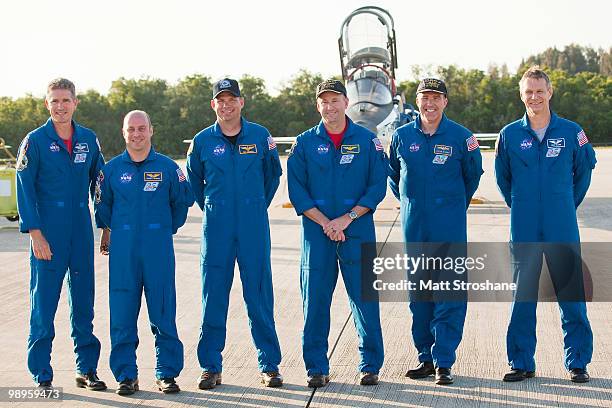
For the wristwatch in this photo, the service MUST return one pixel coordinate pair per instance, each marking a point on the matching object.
(353, 215)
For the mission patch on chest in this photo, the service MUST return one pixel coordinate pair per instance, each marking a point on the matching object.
(153, 176)
(247, 149)
(349, 149)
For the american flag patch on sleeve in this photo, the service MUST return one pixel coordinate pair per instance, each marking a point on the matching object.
(472, 143)
(271, 143)
(582, 138)
(181, 176)
(378, 144)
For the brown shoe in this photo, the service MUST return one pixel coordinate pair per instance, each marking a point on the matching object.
(167, 385)
(317, 380)
(271, 379)
(90, 381)
(209, 380)
(368, 379)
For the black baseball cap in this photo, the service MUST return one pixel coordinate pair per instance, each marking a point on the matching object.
(432, 85)
(226, 84)
(331, 85)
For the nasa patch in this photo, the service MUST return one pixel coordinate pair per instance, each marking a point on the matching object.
(218, 150)
(125, 178)
(526, 144)
(54, 147)
(414, 147)
(323, 149)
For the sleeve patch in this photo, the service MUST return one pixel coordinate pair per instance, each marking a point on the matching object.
(472, 143)
(181, 175)
(378, 144)
(98, 190)
(582, 138)
(22, 159)
(271, 143)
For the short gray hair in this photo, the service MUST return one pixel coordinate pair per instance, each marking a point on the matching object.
(536, 72)
(61, 83)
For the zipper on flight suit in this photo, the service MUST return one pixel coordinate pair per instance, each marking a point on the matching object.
(540, 184)
(234, 148)
(427, 179)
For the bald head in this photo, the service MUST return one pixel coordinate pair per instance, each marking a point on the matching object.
(137, 132)
(133, 113)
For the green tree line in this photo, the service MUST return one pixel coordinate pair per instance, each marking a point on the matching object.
(482, 101)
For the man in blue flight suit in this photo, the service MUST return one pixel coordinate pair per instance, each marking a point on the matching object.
(543, 168)
(143, 197)
(435, 168)
(56, 170)
(336, 177)
(234, 170)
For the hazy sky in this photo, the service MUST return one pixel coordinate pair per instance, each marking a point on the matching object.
(95, 42)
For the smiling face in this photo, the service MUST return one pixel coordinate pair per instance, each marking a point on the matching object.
(61, 104)
(227, 107)
(431, 106)
(331, 106)
(137, 132)
(536, 94)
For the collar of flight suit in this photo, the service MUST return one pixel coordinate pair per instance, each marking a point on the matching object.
(52, 134)
(525, 121)
(219, 134)
(125, 156)
(321, 131)
(442, 126)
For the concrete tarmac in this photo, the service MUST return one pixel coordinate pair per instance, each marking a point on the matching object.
(481, 357)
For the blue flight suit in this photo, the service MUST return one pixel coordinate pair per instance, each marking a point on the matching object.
(543, 183)
(143, 205)
(52, 196)
(234, 186)
(435, 177)
(334, 181)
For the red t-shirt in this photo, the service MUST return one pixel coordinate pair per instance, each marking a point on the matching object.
(68, 143)
(337, 137)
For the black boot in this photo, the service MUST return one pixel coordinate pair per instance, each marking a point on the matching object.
(517, 374)
(425, 369)
(443, 376)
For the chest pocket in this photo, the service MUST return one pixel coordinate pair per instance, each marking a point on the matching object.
(81, 155)
(525, 153)
(412, 154)
(321, 156)
(558, 156)
(249, 160)
(451, 166)
(54, 160)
